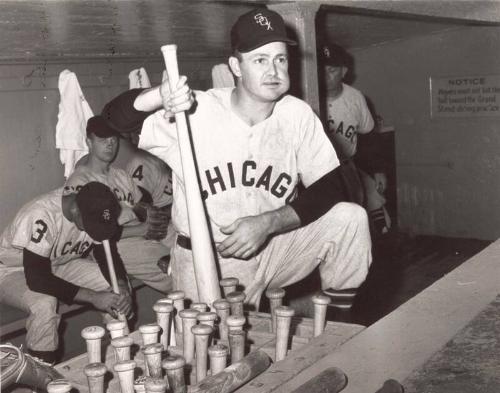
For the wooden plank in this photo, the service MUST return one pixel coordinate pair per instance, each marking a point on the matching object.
(468, 363)
(402, 341)
(302, 357)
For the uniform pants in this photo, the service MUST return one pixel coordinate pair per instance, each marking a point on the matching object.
(43, 319)
(339, 242)
(140, 258)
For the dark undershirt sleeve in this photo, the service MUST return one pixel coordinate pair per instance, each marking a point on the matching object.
(100, 257)
(39, 277)
(121, 114)
(319, 197)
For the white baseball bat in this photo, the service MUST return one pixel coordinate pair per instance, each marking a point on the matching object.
(205, 268)
(112, 275)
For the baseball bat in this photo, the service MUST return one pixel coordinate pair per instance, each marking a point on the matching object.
(93, 336)
(125, 371)
(236, 375)
(228, 284)
(59, 386)
(122, 347)
(320, 305)
(218, 358)
(236, 300)
(284, 316)
(95, 376)
(201, 336)
(112, 275)
(331, 380)
(205, 268)
(275, 296)
(163, 312)
(222, 308)
(188, 321)
(152, 357)
(174, 368)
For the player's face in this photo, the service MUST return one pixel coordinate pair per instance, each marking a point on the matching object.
(104, 149)
(334, 76)
(264, 72)
(77, 219)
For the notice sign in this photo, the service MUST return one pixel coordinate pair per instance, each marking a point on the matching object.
(465, 96)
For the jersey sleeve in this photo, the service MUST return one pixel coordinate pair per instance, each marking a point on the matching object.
(36, 232)
(366, 122)
(315, 153)
(159, 137)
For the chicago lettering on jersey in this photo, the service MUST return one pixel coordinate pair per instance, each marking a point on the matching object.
(78, 248)
(348, 132)
(220, 179)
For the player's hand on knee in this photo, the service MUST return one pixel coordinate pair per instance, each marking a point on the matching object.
(246, 236)
(176, 100)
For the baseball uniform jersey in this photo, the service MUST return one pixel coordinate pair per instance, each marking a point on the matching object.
(244, 170)
(152, 174)
(348, 115)
(41, 228)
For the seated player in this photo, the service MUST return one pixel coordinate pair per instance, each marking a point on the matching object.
(43, 261)
(154, 177)
(140, 255)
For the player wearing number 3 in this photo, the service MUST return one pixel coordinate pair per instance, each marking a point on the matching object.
(43, 260)
(253, 145)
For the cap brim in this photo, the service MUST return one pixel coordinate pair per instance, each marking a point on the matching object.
(106, 134)
(286, 40)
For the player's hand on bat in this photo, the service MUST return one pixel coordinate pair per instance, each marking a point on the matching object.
(246, 236)
(109, 302)
(176, 100)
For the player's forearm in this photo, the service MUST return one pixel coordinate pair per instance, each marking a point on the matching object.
(281, 220)
(85, 295)
(149, 100)
(39, 278)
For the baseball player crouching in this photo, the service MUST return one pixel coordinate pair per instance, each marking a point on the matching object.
(253, 145)
(42, 254)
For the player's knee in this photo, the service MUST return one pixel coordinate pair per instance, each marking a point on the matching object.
(350, 212)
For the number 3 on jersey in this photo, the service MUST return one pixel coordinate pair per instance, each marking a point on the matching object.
(39, 232)
(138, 173)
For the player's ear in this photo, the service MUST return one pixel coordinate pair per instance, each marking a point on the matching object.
(234, 65)
(344, 71)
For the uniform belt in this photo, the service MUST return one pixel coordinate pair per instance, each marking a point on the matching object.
(184, 242)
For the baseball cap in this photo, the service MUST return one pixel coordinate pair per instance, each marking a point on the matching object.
(98, 126)
(257, 28)
(99, 209)
(334, 55)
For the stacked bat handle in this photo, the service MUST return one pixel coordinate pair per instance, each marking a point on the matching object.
(188, 349)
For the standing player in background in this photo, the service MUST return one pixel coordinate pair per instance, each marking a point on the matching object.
(347, 115)
(43, 261)
(140, 255)
(253, 145)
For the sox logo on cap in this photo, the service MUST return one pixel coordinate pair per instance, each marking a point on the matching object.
(263, 21)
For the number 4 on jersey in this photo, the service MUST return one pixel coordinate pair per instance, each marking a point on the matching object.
(138, 173)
